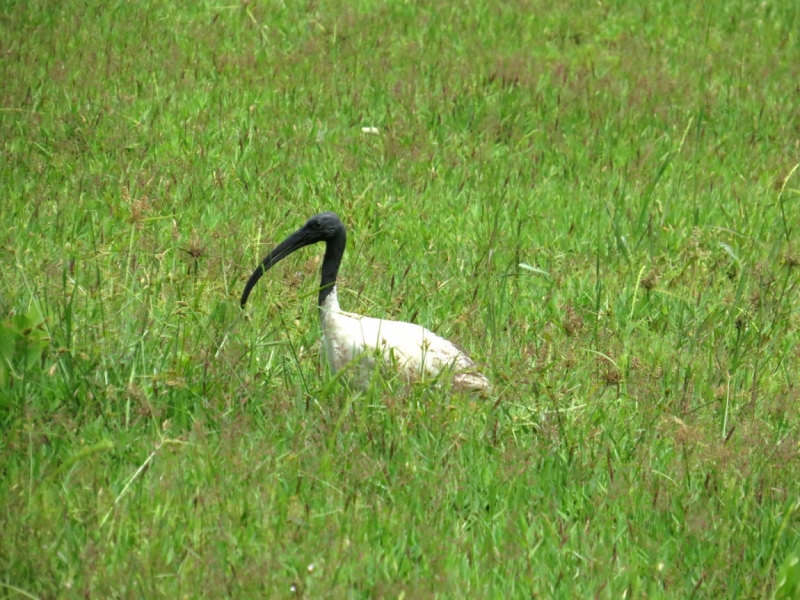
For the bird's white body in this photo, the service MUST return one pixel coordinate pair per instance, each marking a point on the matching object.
(415, 352)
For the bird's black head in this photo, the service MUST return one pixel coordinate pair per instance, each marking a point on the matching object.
(324, 227)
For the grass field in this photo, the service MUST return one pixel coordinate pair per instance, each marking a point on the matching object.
(599, 200)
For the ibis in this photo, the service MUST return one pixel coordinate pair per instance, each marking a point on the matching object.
(415, 352)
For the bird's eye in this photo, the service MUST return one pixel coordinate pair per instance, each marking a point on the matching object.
(315, 225)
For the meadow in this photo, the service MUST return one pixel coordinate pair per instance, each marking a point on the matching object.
(598, 200)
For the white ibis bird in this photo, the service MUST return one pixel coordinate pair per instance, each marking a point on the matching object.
(417, 353)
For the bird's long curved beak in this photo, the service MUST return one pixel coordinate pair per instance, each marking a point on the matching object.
(297, 240)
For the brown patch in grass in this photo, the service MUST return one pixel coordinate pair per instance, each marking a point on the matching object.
(650, 281)
(572, 322)
(790, 258)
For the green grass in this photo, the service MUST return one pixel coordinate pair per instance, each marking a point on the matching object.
(641, 438)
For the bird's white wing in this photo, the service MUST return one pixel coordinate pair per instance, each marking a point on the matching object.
(414, 350)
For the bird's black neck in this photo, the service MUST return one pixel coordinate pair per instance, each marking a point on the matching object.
(334, 250)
